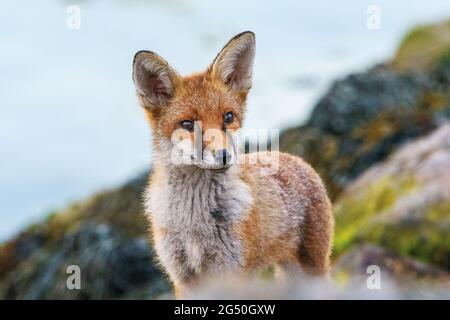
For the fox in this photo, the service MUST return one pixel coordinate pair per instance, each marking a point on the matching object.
(212, 211)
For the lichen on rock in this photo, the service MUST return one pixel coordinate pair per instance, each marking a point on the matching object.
(403, 203)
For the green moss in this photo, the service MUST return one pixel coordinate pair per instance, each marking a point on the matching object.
(382, 126)
(426, 237)
(423, 48)
(424, 240)
(419, 34)
(439, 212)
(353, 212)
(434, 102)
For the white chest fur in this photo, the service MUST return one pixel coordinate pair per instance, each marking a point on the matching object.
(198, 209)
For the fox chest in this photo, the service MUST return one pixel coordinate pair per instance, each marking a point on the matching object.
(196, 232)
(196, 245)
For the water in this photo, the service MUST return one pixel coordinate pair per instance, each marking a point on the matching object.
(69, 121)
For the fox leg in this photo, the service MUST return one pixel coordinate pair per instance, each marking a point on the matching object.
(315, 246)
(314, 262)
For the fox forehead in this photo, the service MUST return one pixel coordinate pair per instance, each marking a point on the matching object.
(200, 98)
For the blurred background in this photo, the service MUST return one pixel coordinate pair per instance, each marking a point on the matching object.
(349, 96)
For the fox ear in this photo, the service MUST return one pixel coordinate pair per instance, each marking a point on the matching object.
(154, 79)
(234, 64)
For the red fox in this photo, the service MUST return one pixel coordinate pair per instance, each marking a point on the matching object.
(216, 215)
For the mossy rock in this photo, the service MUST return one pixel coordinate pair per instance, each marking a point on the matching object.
(105, 235)
(402, 272)
(365, 117)
(424, 48)
(402, 204)
(355, 213)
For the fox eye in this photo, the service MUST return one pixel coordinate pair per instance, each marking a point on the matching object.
(228, 118)
(187, 125)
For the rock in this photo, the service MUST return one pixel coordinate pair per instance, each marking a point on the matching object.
(404, 271)
(399, 277)
(402, 204)
(114, 256)
(365, 117)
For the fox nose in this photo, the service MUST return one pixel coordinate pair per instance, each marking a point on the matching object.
(223, 156)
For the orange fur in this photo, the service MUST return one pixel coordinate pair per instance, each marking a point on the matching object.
(289, 220)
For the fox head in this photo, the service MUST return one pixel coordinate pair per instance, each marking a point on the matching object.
(195, 119)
